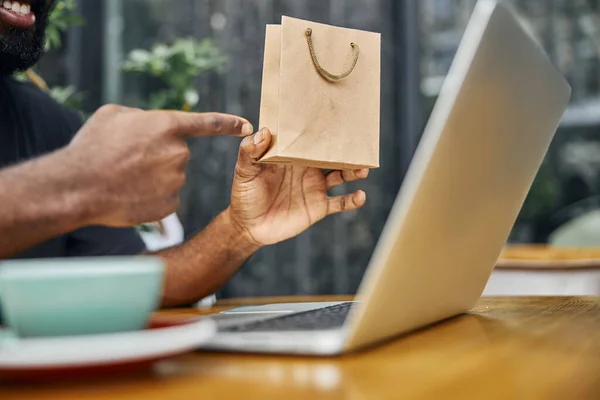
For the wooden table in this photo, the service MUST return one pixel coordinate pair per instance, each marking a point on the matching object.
(506, 348)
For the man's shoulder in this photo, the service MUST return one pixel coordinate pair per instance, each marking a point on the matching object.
(31, 94)
(43, 110)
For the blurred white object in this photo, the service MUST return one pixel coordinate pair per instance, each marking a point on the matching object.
(555, 277)
(102, 350)
(207, 302)
(168, 233)
(544, 282)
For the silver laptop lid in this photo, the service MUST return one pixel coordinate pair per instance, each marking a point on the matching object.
(491, 127)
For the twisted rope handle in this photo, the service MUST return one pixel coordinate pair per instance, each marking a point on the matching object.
(322, 70)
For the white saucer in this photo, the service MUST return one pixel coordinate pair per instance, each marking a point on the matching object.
(43, 355)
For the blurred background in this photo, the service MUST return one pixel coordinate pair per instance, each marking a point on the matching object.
(206, 55)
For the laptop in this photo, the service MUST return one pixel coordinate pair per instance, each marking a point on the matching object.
(491, 127)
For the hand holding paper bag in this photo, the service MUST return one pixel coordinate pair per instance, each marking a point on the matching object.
(321, 95)
(273, 203)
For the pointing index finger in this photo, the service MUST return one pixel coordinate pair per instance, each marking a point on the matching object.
(190, 124)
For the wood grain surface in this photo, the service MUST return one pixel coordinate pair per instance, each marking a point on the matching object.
(506, 348)
(534, 256)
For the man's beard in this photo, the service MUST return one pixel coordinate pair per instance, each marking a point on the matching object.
(22, 49)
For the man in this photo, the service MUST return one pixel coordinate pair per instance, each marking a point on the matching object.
(68, 190)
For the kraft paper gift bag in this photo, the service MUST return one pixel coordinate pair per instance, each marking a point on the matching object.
(321, 95)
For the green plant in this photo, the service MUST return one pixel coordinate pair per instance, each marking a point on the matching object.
(176, 66)
(67, 95)
(60, 20)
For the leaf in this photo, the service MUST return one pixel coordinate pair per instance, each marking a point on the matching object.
(139, 56)
(53, 39)
(68, 96)
(20, 76)
(161, 51)
(62, 18)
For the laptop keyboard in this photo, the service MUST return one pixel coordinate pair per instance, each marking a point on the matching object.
(331, 317)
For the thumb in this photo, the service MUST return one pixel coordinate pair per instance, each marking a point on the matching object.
(251, 149)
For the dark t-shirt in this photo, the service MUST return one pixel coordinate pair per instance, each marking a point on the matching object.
(33, 124)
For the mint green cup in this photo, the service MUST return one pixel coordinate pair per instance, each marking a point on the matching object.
(79, 296)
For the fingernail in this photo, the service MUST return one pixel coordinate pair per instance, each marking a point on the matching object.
(259, 137)
(361, 196)
(247, 129)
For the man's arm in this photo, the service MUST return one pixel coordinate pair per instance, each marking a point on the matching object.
(269, 204)
(39, 200)
(124, 167)
(46, 197)
(203, 264)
